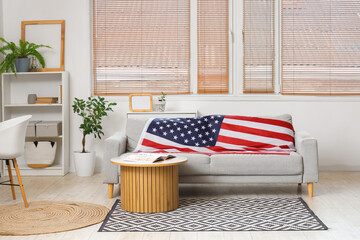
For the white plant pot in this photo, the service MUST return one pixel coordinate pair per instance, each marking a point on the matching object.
(84, 163)
(159, 106)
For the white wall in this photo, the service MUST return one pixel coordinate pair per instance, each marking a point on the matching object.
(77, 41)
(1, 21)
(1, 35)
(334, 121)
(1, 18)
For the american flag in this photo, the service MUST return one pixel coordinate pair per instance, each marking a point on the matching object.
(217, 134)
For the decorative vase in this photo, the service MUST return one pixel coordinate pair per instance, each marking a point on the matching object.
(159, 106)
(84, 163)
(22, 64)
(32, 98)
(33, 64)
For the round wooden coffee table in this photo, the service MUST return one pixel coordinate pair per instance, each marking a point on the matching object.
(149, 188)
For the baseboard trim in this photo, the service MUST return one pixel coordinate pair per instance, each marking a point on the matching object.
(339, 168)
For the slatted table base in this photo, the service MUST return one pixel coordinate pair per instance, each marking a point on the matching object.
(149, 189)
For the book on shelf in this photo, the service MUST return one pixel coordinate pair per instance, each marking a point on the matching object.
(60, 94)
(148, 157)
(46, 100)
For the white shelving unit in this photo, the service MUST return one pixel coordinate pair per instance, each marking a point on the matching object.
(14, 93)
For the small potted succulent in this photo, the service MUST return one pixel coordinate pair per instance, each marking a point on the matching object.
(91, 111)
(16, 58)
(159, 106)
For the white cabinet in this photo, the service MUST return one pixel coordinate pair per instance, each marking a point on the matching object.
(15, 90)
(166, 114)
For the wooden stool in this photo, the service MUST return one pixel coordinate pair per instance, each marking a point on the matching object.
(12, 181)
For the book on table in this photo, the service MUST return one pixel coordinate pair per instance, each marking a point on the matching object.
(148, 157)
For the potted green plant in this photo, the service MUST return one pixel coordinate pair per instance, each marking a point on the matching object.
(161, 103)
(92, 112)
(16, 58)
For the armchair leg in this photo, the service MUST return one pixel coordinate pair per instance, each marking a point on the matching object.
(110, 190)
(310, 189)
(299, 184)
(20, 182)
(11, 179)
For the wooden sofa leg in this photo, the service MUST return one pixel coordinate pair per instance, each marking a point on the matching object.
(110, 190)
(310, 189)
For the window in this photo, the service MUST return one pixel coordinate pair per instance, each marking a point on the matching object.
(143, 46)
(291, 47)
(321, 47)
(213, 46)
(258, 44)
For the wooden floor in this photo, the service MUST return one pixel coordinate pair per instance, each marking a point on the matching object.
(336, 201)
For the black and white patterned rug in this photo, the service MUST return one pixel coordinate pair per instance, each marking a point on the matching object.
(219, 214)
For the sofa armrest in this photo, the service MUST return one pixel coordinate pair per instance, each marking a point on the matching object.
(306, 146)
(114, 146)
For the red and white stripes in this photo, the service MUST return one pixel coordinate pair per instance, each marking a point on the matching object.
(234, 134)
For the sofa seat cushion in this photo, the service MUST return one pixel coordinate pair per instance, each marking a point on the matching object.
(256, 164)
(197, 164)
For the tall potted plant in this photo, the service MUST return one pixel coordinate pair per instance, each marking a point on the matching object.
(17, 57)
(91, 111)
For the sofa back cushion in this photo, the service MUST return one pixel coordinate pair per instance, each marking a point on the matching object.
(283, 117)
(134, 128)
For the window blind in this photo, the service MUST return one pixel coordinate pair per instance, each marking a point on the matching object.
(321, 47)
(258, 43)
(213, 46)
(141, 46)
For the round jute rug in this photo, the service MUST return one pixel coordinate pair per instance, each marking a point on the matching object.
(49, 217)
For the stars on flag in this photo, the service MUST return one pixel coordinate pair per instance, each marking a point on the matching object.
(200, 132)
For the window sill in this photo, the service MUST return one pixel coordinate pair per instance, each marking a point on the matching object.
(248, 97)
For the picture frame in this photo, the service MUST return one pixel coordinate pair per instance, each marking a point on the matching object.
(29, 32)
(141, 102)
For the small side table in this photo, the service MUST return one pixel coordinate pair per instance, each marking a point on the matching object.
(149, 188)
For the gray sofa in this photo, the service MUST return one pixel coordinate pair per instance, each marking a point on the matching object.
(298, 167)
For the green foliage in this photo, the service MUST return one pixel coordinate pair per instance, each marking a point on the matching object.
(24, 50)
(162, 97)
(92, 111)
